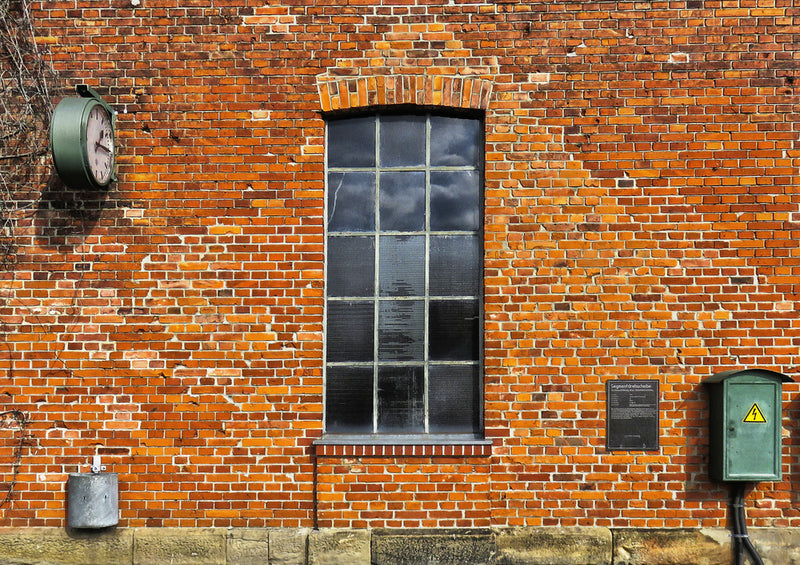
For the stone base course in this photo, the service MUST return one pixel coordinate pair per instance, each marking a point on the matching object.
(57, 546)
(554, 546)
(304, 546)
(442, 547)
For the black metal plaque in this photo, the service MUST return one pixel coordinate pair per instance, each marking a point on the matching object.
(632, 415)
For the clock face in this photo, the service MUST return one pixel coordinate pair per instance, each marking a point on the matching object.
(100, 144)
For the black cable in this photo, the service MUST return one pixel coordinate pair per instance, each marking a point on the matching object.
(736, 503)
(748, 544)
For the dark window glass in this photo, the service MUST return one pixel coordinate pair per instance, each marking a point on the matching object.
(456, 265)
(402, 265)
(351, 266)
(348, 398)
(404, 275)
(454, 398)
(350, 331)
(402, 141)
(453, 330)
(401, 402)
(401, 330)
(351, 143)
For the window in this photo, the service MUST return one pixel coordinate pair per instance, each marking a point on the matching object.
(404, 275)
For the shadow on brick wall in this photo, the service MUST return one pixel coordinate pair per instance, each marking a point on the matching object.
(62, 212)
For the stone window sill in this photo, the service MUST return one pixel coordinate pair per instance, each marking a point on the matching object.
(407, 446)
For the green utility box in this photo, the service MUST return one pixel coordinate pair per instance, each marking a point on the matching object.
(745, 425)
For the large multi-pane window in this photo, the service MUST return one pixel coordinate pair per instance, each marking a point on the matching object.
(404, 278)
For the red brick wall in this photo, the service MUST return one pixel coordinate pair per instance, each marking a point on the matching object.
(642, 217)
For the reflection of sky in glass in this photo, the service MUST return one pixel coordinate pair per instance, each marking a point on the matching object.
(455, 141)
(402, 141)
(351, 142)
(402, 201)
(351, 201)
(455, 200)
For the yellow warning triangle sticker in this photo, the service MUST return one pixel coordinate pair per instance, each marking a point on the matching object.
(755, 415)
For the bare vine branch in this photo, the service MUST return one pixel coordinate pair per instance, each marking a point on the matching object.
(25, 111)
(11, 419)
(26, 82)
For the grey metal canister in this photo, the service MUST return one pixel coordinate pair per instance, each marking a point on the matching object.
(92, 500)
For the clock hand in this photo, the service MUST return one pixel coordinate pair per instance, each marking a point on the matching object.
(103, 147)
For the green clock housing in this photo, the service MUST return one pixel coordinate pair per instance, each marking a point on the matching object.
(82, 140)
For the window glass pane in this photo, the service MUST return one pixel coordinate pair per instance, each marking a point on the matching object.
(456, 265)
(348, 400)
(402, 141)
(454, 399)
(351, 266)
(402, 201)
(351, 142)
(351, 202)
(350, 335)
(401, 330)
(455, 141)
(453, 330)
(402, 265)
(455, 200)
(404, 213)
(401, 404)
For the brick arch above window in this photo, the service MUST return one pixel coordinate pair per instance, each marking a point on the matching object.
(344, 93)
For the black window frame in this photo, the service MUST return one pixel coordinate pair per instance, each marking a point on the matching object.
(469, 370)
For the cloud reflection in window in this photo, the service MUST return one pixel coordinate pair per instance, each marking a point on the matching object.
(402, 201)
(455, 141)
(455, 201)
(351, 202)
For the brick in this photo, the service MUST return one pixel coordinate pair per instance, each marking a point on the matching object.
(639, 222)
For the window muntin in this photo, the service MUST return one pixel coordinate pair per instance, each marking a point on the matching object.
(404, 275)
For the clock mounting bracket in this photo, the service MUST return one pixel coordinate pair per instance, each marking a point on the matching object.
(86, 91)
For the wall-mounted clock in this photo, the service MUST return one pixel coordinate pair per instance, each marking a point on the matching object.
(82, 140)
